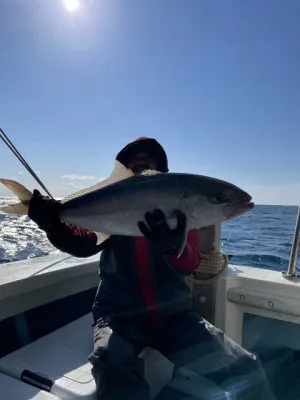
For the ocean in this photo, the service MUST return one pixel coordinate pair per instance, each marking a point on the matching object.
(262, 238)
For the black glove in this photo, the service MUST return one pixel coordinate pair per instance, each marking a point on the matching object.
(165, 239)
(44, 211)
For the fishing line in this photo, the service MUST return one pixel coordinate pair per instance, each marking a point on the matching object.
(13, 149)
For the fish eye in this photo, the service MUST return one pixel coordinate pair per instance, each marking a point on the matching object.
(219, 198)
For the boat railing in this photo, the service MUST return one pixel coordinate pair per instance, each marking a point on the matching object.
(291, 272)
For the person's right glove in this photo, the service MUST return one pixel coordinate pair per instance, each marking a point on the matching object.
(44, 211)
(168, 241)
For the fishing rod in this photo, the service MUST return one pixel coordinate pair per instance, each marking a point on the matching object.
(13, 149)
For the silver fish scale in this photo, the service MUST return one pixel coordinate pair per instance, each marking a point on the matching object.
(198, 211)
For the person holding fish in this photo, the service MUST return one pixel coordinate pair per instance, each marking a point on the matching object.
(143, 298)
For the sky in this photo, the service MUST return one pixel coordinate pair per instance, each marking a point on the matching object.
(216, 82)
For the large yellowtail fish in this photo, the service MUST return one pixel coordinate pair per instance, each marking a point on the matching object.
(115, 205)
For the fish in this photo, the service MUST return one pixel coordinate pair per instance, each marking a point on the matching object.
(115, 206)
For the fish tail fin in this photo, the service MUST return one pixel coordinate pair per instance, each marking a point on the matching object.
(19, 191)
(18, 209)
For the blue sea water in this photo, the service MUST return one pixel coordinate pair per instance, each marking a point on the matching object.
(261, 238)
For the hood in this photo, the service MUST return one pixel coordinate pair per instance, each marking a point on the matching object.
(145, 145)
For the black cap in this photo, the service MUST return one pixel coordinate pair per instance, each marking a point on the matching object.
(145, 145)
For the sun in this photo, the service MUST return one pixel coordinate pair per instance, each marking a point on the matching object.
(71, 5)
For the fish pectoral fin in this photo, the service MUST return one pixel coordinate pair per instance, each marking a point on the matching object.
(101, 237)
(18, 209)
(183, 244)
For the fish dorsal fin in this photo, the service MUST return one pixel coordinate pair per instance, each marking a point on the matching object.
(119, 173)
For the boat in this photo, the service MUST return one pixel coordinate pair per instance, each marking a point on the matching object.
(46, 327)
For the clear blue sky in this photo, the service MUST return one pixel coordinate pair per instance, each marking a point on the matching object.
(216, 82)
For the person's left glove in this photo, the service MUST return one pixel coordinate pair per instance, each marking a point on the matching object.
(164, 239)
(44, 211)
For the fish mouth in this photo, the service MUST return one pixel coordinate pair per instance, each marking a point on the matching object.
(245, 207)
(236, 210)
(244, 198)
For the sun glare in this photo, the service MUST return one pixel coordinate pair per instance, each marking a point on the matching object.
(71, 5)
